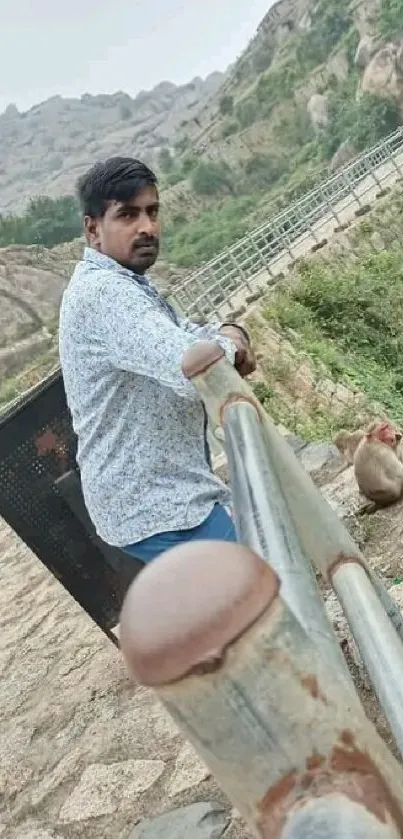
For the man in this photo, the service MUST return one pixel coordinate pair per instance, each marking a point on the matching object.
(141, 425)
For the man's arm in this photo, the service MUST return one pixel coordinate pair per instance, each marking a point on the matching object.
(208, 331)
(245, 361)
(141, 339)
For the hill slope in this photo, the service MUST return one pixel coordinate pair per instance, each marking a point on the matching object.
(320, 81)
(44, 150)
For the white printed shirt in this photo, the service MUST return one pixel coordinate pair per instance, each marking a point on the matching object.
(140, 423)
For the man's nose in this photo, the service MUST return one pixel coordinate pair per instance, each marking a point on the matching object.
(145, 224)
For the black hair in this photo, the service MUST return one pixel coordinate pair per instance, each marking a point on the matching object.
(115, 179)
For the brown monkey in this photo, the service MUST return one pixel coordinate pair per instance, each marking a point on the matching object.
(377, 468)
(347, 442)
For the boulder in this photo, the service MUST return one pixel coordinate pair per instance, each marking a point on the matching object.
(204, 820)
(318, 111)
(383, 75)
(366, 49)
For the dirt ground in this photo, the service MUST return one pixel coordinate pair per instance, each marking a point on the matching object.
(82, 752)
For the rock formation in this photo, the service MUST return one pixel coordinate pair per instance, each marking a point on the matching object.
(45, 149)
(318, 111)
(383, 74)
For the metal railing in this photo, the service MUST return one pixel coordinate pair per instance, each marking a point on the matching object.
(256, 260)
(243, 656)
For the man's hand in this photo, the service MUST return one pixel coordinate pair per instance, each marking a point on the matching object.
(245, 361)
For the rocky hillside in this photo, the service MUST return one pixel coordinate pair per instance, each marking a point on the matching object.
(44, 150)
(320, 81)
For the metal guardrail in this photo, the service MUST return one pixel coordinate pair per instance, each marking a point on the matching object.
(242, 655)
(257, 258)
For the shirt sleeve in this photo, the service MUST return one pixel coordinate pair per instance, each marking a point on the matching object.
(142, 339)
(209, 332)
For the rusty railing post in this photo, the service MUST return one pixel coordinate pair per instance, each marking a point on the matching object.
(206, 628)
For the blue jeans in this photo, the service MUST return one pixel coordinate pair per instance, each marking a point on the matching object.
(218, 525)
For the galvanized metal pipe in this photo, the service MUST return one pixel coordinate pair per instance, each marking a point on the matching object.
(253, 694)
(264, 524)
(323, 537)
(377, 641)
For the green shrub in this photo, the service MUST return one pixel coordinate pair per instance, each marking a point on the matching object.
(329, 22)
(230, 127)
(226, 104)
(335, 316)
(189, 162)
(294, 129)
(212, 178)
(359, 305)
(247, 111)
(165, 160)
(262, 58)
(214, 229)
(277, 85)
(174, 177)
(262, 170)
(364, 122)
(390, 19)
(47, 222)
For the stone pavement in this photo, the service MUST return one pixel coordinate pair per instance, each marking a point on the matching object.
(82, 752)
(85, 754)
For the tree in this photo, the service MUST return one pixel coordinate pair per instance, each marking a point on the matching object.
(47, 222)
(165, 161)
(329, 22)
(364, 123)
(376, 117)
(247, 111)
(263, 170)
(226, 104)
(189, 162)
(212, 178)
(391, 18)
(262, 58)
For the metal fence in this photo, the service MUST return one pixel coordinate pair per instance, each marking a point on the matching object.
(257, 259)
(253, 673)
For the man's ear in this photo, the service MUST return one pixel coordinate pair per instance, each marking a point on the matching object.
(91, 230)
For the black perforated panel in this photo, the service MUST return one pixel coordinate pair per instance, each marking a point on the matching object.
(37, 447)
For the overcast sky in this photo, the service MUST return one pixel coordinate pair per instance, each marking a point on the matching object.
(70, 47)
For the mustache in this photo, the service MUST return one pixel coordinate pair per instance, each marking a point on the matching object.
(146, 242)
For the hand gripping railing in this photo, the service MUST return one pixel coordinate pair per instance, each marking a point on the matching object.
(257, 681)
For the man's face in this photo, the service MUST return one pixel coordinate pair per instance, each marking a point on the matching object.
(128, 232)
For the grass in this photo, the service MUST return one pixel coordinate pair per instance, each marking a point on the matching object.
(343, 313)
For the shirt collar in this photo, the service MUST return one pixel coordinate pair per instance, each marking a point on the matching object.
(100, 260)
